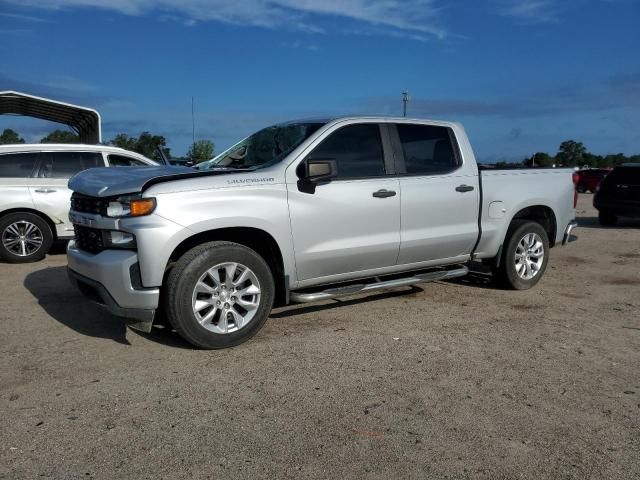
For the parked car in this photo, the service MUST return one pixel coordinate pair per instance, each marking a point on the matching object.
(619, 194)
(307, 211)
(588, 179)
(34, 197)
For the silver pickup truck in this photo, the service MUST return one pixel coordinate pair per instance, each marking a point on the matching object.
(306, 211)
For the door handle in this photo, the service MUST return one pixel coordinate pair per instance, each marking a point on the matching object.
(464, 188)
(45, 190)
(384, 193)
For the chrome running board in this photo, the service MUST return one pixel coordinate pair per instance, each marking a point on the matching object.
(301, 297)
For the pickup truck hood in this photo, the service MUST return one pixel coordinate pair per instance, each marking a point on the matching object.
(108, 182)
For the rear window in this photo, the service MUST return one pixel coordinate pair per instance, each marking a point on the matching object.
(427, 149)
(17, 165)
(122, 161)
(624, 175)
(67, 164)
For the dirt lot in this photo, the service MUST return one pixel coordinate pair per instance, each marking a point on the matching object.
(448, 380)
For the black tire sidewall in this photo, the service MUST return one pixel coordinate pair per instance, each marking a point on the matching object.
(186, 273)
(518, 230)
(47, 237)
(581, 188)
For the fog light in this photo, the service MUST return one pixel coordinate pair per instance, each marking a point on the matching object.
(117, 239)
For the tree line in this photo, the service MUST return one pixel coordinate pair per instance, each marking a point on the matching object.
(145, 144)
(571, 154)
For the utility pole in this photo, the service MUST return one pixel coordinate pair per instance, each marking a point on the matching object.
(193, 124)
(405, 100)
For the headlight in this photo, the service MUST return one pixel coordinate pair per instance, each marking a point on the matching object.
(131, 207)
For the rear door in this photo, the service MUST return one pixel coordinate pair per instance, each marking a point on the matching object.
(352, 223)
(16, 172)
(440, 195)
(621, 189)
(49, 189)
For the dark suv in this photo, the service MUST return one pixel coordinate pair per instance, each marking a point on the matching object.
(619, 194)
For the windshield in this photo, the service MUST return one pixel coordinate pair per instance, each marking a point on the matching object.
(264, 148)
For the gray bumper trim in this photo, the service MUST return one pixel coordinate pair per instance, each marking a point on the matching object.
(568, 238)
(136, 318)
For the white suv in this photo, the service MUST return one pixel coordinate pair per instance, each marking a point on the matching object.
(34, 197)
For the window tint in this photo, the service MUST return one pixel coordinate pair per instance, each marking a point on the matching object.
(122, 161)
(427, 149)
(17, 165)
(357, 150)
(67, 164)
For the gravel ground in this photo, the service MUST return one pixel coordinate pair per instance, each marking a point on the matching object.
(447, 380)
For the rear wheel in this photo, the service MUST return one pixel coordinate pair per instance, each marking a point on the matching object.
(219, 294)
(607, 218)
(24, 237)
(525, 256)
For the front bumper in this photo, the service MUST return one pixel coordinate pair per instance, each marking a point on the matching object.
(568, 238)
(111, 279)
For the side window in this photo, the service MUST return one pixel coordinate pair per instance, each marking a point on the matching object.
(427, 149)
(357, 150)
(122, 161)
(67, 164)
(17, 165)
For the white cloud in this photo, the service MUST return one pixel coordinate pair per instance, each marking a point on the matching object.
(531, 11)
(417, 16)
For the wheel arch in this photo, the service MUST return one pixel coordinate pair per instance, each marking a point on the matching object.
(43, 216)
(261, 241)
(542, 214)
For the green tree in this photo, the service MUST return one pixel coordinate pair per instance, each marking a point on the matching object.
(614, 160)
(145, 144)
(571, 153)
(539, 159)
(61, 136)
(201, 151)
(125, 141)
(9, 137)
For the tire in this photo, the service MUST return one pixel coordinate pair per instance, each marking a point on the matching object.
(519, 273)
(581, 188)
(196, 269)
(607, 218)
(24, 237)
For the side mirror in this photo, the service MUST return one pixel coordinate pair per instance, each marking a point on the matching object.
(313, 171)
(318, 170)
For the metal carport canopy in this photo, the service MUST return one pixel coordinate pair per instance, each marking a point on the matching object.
(84, 121)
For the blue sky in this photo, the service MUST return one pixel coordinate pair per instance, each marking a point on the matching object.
(522, 75)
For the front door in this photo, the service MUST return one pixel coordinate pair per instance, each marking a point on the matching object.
(352, 223)
(49, 189)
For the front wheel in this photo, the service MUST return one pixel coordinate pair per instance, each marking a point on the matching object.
(219, 294)
(25, 237)
(525, 256)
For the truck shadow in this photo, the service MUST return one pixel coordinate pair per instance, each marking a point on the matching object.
(593, 222)
(62, 302)
(55, 294)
